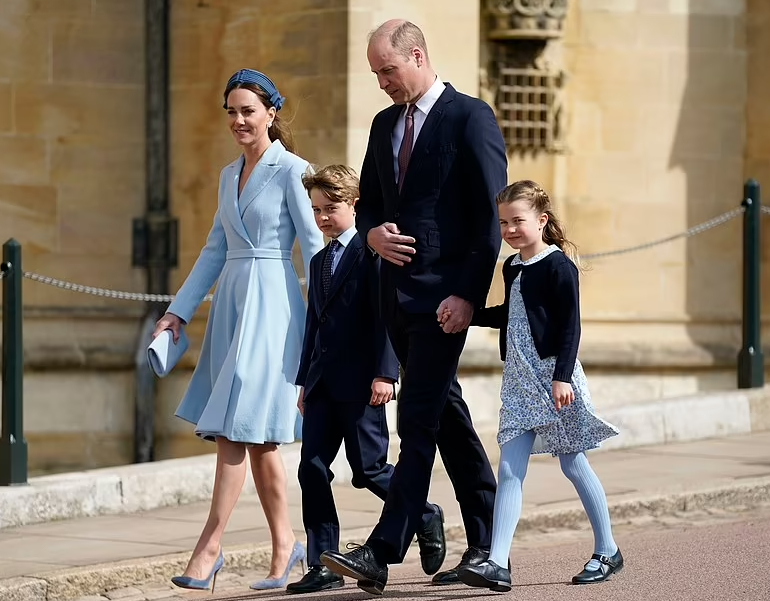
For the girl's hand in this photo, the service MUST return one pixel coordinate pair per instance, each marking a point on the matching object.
(382, 391)
(563, 394)
(169, 322)
(455, 314)
(443, 315)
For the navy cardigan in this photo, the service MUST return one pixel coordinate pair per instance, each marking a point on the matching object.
(549, 288)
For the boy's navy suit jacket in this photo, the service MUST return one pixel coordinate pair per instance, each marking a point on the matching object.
(346, 343)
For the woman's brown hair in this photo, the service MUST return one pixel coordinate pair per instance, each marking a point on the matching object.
(553, 232)
(278, 130)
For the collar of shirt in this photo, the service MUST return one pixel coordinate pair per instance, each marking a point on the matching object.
(427, 100)
(345, 237)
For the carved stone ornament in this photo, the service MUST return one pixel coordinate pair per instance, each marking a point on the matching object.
(527, 19)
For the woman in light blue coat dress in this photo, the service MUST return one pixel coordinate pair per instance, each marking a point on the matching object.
(242, 393)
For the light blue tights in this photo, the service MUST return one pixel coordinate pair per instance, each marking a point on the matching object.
(514, 459)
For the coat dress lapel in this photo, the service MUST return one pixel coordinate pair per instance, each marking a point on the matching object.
(263, 172)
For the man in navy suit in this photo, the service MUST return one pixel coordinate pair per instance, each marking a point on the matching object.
(347, 372)
(434, 164)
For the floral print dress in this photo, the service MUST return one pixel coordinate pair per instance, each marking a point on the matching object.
(527, 400)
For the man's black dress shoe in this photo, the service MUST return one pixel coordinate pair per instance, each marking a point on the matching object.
(487, 574)
(473, 556)
(432, 543)
(607, 567)
(318, 578)
(359, 564)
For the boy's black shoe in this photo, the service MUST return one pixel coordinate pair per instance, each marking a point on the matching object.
(318, 578)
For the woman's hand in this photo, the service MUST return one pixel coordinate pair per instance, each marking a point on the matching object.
(169, 322)
(563, 394)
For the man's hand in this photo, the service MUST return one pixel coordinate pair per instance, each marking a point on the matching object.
(301, 401)
(454, 314)
(387, 241)
(382, 391)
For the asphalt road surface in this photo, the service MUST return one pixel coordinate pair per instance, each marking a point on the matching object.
(711, 556)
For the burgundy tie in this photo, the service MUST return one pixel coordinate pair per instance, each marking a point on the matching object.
(405, 152)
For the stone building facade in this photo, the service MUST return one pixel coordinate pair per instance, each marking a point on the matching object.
(647, 116)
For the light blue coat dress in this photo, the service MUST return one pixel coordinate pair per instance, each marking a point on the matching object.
(243, 386)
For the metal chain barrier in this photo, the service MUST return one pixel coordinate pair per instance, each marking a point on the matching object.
(107, 293)
(693, 231)
(132, 296)
(167, 298)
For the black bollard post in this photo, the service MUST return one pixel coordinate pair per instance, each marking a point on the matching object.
(751, 365)
(13, 447)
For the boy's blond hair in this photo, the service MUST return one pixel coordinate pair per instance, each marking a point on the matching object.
(339, 183)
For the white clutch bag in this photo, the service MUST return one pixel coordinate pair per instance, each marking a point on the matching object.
(163, 354)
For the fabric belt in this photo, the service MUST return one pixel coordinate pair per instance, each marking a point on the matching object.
(259, 253)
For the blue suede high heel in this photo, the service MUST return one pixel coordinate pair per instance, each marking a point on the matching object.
(201, 585)
(297, 556)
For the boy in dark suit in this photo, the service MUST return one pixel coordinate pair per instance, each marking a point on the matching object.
(347, 373)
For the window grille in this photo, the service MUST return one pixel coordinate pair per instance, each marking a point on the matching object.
(529, 108)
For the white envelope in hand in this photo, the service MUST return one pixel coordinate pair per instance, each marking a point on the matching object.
(163, 354)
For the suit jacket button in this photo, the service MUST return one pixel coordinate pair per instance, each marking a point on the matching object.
(397, 215)
(323, 318)
(323, 349)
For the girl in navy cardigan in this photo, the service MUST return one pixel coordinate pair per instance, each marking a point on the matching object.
(546, 406)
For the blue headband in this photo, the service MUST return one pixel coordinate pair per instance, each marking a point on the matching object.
(258, 79)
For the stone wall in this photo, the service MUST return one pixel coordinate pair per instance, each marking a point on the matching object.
(72, 140)
(452, 33)
(757, 153)
(71, 180)
(657, 98)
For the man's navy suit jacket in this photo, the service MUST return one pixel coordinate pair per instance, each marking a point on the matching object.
(447, 203)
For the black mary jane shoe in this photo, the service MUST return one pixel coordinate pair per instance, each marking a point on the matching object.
(487, 574)
(318, 578)
(607, 567)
